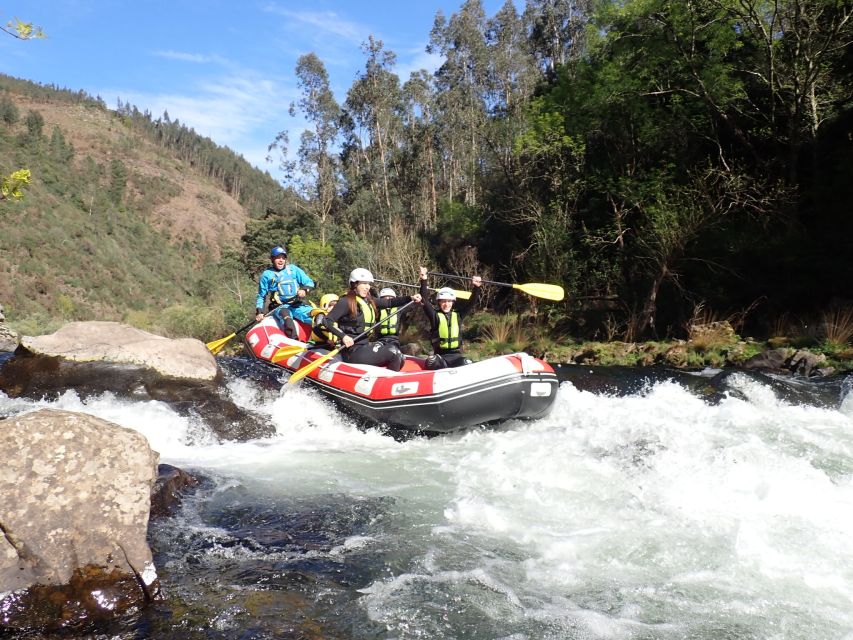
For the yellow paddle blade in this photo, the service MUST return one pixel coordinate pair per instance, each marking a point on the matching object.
(217, 345)
(463, 295)
(304, 371)
(285, 352)
(546, 291)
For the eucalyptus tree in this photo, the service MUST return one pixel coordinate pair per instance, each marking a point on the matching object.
(461, 85)
(316, 174)
(511, 77)
(556, 31)
(418, 183)
(373, 123)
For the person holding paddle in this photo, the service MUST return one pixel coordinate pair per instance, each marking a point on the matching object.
(286, 285)
(446, 324)
(357, 312)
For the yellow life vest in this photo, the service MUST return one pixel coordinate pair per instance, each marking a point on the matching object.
(448, 332)
(319, 333)
(367, 312)
(390, 325)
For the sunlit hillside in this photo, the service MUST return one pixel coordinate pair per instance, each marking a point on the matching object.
(114, 221)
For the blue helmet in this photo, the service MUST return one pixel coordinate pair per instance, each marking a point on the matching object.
(278, 251)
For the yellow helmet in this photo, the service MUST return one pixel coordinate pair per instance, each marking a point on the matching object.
(327, 299)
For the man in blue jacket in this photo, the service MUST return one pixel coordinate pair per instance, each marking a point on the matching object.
(286, 286)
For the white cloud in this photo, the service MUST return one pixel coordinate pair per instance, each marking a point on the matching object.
(199, 58)
(242, 111)
(327, 22)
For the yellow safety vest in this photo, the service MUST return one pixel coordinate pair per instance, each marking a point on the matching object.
(389, 326)
(448, 333)
(319, 333)
(367, 313)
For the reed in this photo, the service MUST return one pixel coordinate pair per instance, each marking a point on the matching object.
(837, 325)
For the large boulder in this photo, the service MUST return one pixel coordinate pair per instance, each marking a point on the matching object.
(74, 514)
(94, 357)
(186, 358)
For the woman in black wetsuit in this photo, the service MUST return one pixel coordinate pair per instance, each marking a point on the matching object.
(355, 313)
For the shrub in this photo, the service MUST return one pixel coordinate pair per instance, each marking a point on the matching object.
(182, 321)
(837, 325)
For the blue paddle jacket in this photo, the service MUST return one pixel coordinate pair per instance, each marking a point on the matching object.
(282, 285)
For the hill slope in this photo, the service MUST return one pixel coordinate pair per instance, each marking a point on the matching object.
(114, 219)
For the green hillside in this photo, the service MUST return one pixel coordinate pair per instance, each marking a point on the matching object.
(116, 223)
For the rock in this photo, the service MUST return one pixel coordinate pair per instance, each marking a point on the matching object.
(717, 332)
(772, 360)
(186, 358)
(167, 492)
(30, 376)
(805, 363)
(76, 498)
(801, 362)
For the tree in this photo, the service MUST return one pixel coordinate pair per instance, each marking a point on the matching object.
(461, 84)
(22, 30)
(372, 109)
(556, 31)
(118, 181)
(35, 124)
(417, 178)
(9, 113)
(319, 172)
(14, 183)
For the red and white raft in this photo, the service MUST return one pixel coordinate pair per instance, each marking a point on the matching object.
(516, 386)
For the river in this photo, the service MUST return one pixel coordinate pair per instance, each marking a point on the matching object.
(652, 514)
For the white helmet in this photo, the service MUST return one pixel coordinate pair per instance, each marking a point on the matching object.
(360, 275)
(387, 291)
(445, 293)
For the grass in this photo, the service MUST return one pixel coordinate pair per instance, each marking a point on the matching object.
(837, 326)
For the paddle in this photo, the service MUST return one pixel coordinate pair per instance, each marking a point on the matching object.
(217, 345)
(462, 295)
(537, 289)
(285, 352)
(304, 371)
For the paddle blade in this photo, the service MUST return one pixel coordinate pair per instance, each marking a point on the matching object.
(539, 290)
(217, 345)
(285, 352)
(463, 295)
(304, 371)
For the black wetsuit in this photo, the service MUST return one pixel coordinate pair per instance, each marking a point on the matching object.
(364, 351)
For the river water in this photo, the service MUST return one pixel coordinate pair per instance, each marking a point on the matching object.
(653, 514)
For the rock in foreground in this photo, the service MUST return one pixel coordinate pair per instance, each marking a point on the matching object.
(74, 516)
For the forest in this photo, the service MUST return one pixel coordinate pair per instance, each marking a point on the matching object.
(652, 157)
(657, 159)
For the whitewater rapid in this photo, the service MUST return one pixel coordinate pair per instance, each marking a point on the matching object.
(652, 515)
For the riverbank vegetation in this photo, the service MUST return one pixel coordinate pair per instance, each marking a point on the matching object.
(669, 165)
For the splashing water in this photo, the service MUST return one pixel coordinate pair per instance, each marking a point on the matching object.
(653, 515)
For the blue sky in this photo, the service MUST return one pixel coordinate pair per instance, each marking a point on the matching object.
(225, 69)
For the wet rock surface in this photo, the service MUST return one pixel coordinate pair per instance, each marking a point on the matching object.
(36, 377)
(76, 500)
(167, 495)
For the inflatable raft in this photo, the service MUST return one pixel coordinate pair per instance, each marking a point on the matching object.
(486, 392)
